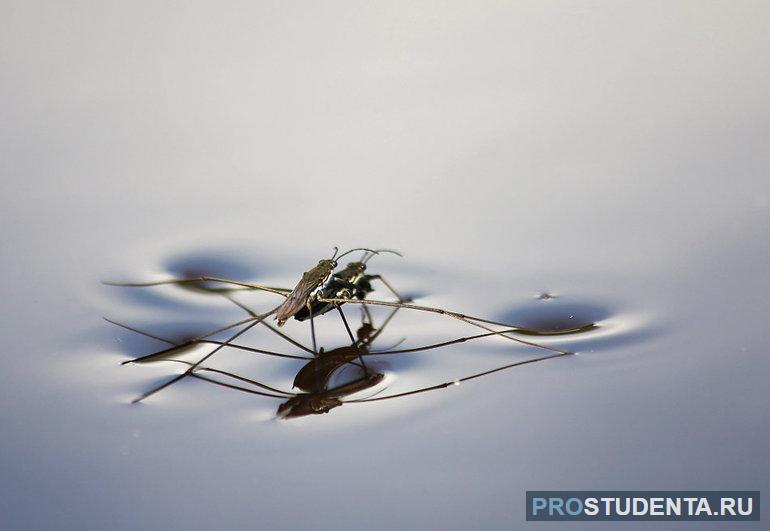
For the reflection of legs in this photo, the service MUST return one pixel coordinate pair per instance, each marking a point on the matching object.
(381, 328)
(352, 339)
(367, 314)
(391, 288)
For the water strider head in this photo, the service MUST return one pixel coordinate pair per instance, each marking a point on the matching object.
(327, 265)
(355, 269)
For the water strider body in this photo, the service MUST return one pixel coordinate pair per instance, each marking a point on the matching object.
(352, 282)
(300, 296)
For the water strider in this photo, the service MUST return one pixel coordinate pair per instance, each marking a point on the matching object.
(351, 282)
(351, 285)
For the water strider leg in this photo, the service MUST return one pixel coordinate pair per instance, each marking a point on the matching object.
(159, 355)
(268, 325)
(279, 291)
(439, 345)
(455, 315)
(459, 381)
(312, 329)
(253, 323)
(185, 343)
(283, 394)
(240, 388)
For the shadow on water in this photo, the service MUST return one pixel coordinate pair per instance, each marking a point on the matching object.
(221, 263)
(152, 334)
(556, 316)
(597, 326)
(152, 298)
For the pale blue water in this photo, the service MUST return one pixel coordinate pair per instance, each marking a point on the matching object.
(613, 155)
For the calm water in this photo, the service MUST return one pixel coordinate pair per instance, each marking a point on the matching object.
(612, 156)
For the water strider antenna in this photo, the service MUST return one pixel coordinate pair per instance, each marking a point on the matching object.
(350, 251)
(391, 251)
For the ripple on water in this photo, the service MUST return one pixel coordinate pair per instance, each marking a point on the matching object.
(549, 316)
(573, 319)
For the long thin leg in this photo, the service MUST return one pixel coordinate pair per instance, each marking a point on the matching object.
(458, 382)
(462, 317)
(436, 345)
(279, 291)
(345, 322)
(236, 377)
(176, 346)
(188, 342)
(352, 339)
(207, 356)
(268, 325)
(238, 387)
(286, 337)
(312, 329)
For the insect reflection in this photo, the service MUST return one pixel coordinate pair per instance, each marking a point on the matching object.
(318, 393)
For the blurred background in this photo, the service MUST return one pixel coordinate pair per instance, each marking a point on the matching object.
(613, 154)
